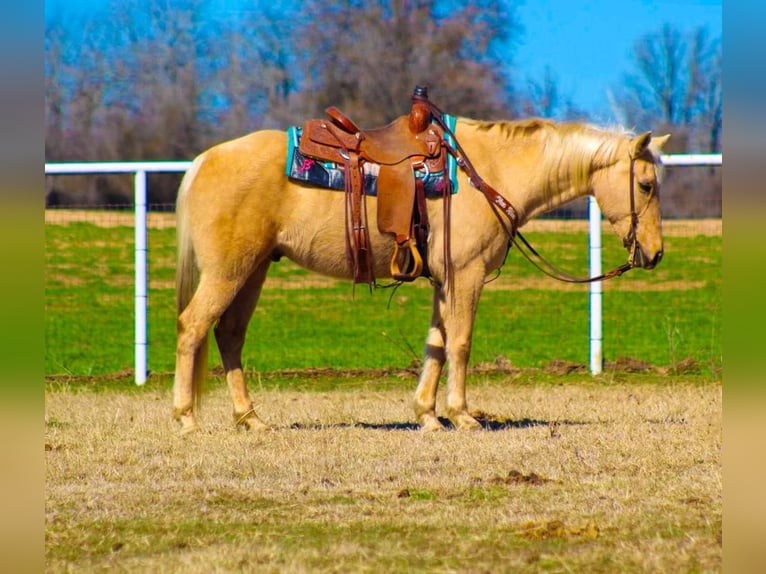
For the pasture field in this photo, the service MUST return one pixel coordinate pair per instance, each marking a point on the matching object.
(665, 318)
(572, 473)
(621, 473)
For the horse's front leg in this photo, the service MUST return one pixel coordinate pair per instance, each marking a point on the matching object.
(433, 362)
(449, 339)
(459, 312)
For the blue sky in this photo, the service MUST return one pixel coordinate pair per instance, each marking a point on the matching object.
(587, 44)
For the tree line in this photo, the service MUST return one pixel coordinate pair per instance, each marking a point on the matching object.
(151, 79)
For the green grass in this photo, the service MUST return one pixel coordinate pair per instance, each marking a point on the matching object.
(661, 317)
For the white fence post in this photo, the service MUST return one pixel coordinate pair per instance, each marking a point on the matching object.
(139, 171)
(595, 288)
(141, 299)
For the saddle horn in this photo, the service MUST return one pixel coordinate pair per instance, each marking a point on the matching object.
(420, 113)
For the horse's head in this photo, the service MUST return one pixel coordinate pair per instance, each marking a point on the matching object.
(627, 192)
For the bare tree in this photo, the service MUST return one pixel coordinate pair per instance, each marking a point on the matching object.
(366, 57)
(151, 79)
(73, 88)
(55, 98)
(254, 69)
(542, 97)
(676, 83)
(677, 87)
(708, 91)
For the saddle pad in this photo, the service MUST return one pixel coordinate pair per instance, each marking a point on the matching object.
(332, 175)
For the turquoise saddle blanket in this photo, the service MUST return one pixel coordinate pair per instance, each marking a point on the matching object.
(332, 175)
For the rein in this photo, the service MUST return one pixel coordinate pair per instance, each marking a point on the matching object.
(499, 204)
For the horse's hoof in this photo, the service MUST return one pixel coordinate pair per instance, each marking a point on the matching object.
(188, 425)
(250, 421)
(430, 423)
(464, 421)
(254, 425)
(186, 420)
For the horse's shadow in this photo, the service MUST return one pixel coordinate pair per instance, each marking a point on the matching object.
(487, 423)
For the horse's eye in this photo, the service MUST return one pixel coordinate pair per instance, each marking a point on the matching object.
(645, 187)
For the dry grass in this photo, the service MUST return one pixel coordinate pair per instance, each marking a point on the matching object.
(587, 477)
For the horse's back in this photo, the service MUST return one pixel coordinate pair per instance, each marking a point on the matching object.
(239, 161)
(229, 173)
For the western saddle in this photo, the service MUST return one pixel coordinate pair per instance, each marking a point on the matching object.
(411, 142)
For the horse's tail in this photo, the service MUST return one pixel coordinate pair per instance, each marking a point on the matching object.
(187, 274)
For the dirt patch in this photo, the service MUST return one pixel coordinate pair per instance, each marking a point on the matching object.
(500, 366)
(515, 477)
(562, 367)
(692, 227)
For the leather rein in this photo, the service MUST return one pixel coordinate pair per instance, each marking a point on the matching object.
(500, 204)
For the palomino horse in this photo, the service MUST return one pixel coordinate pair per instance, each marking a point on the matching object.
(237, 212)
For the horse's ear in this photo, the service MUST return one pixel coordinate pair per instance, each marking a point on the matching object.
(639, 143)
(659, 141)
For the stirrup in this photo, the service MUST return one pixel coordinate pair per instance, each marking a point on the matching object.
(416, 262)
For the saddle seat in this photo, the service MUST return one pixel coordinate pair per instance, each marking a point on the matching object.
(409, 142)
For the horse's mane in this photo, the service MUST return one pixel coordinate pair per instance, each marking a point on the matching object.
(570, 150)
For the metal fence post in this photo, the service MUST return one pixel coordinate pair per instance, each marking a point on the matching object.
(596, 288)
(141, 337)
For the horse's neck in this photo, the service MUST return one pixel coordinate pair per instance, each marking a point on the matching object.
(533, 177)
(545, 195)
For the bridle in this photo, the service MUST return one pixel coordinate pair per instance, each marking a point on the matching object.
(500, 204)
(630, 239)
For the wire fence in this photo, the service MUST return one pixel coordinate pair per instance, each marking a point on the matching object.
(157, 219)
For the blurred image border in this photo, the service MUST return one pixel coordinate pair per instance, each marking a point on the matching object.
(743, 207)
(22, 478)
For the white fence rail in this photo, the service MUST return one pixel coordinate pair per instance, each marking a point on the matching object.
(140, 169)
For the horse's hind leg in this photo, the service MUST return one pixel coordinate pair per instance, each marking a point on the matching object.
(211, 298)
(230, 336)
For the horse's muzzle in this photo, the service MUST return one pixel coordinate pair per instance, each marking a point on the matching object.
(641, 260)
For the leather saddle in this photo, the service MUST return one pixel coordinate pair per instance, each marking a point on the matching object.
(410, 142)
